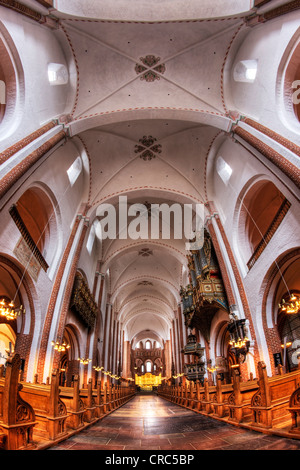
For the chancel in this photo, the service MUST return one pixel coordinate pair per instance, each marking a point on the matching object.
(150, 243)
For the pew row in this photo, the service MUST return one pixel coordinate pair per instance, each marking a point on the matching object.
(270, 404)
(35, 416)
(17, 417)
(266, 404)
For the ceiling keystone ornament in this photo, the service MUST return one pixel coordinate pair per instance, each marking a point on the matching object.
(150, 68)
(145, 283)
(145, 252)
(147, 147)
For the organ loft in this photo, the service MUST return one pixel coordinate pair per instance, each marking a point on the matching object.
(149, 240)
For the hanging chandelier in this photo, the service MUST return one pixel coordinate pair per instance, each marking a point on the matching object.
(9, 311)
(98, 369)
(212, 369)
(60, 347)
(84, 361)
(291, 306)
(239, 340)
(178, 375)
(239, 343)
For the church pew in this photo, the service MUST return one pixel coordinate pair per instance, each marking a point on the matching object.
(17, 417)
(207, 398)
(114, 397)
(118, 398)
(50, 411)
(199, 396)
(270, 404)
(176, 393)
(86, 395)
(220, 399)
(75, 406)
(294, 409)
(98, 399)
(191, 396)
(181, 394)
(109, 400)
(239, 401)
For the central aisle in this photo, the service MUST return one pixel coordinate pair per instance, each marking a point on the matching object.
(148, 422)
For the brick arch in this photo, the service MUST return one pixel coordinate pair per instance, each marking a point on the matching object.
(24, 340)
(12, 77)
(8, 82)
(259, 203)
(72, 336)
(39, 211)
(288, 107)
(271, 333)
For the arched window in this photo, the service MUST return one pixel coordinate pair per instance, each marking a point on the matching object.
(74, 170)
(245, 71)
(57, 74)
(148, 366)
(223, 170)
(148, 345)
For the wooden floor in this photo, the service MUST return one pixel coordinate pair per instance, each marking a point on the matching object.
(149, 422)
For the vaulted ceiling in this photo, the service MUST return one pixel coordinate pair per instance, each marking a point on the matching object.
(148, 99)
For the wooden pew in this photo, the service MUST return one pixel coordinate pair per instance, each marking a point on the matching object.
(294, 409)
(270, 404)
(191, 396)
(86, 395)
(105, 398)
(98, 399)
(239, 401)
(17, 417)
(75, 406)
(206, 401)
(50, 411)
(199, 396)
(220, 399)
(180, 395)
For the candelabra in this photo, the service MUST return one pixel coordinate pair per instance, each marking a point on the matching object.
(9, 311)
(60, 347)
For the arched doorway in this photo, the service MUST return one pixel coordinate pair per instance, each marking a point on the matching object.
(7, 341)
(281, 281)
(288, 324)
(17, 286)
(68, 364)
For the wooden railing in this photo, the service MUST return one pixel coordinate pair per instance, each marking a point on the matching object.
(36, 416)
(266, 403)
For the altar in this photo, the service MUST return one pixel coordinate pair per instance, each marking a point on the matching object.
(147, 381)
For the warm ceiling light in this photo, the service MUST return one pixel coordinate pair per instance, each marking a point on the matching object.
(60, 347)
(84, 361)
(287, 345)
(9, 311)
(291, 306)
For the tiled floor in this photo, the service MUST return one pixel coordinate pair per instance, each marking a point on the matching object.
(150, 423)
